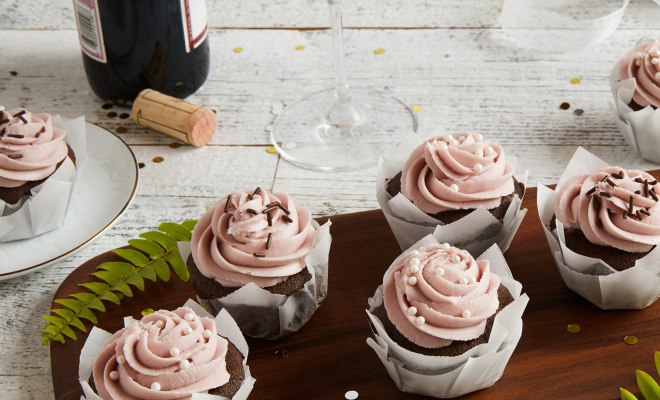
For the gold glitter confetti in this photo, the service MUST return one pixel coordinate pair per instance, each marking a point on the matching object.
(121, 129)
(111, 114)
(120, 101)
(416, 108)
(575, 80)
(379, 51)
(147, 311)
(179, 84)
(564, 106)
(158, 159)
(300, 47)
(271, 150)
(141, 165)
(499, 10)
(238, 49)
(630, 339)
(175, 145)
(573, 328)
(281, 354)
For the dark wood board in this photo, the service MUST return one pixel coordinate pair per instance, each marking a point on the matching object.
(329, 355)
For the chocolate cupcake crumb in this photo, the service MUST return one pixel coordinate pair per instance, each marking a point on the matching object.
(234, 365)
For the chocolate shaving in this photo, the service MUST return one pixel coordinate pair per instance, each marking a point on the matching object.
(639, 180)
(252, 211)
(267, 210)
(605, 194)
(15, 156)
(270, 219)
(596, 203)
(270, 237)
(630, 205)
(639, 215)
(646, 188)
(287, 219)
(284, 209)
(228, 203)
(4, 121)
(12, 135)
(259, 255)
(645, 212)
(610, 182)
(591, 191)
(256, 191)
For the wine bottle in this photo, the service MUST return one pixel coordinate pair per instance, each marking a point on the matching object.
(131, 45)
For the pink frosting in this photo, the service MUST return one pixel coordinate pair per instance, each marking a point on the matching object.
(434, 166)
(441, 300)
(224, 243)
(28, 151)
(603, 224)
(146, 349)
(647, 91)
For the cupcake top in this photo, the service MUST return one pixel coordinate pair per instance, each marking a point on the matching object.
(613, 207)
(253, 237)
(30, 147)
(439, 294)
(459, 171)
(642, 63)
(166, 355)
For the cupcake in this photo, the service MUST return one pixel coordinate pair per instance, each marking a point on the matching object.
(169, 355)
(445, 180)
(641, 64)
(604, 226)
(439, 307)
(257, 254)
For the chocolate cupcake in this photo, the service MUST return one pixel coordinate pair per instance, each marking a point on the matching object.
(641, 64)
(258, 242)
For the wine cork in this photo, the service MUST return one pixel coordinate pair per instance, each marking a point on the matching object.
(185, 121)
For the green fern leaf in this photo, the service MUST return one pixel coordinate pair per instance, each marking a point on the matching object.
(136, 280)
(110, 296)
(88, 315)
(648, 386)
(58, 322)
(124, 289)
(138, 259)
(149, 273)
(208, 207)
(96, 287)
(656, 357)
(120, 268)
(78, 324)
(190, 225)
(179, 267)
(161, 268)
(177, 231)
(626, 395)
(151, 248)
(84, 297)
(47, 337)
(109, 277)
(161, 238)
(68, 332)
(75, 305)
(64, 313)
(97, 304)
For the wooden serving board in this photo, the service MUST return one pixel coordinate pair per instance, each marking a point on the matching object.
(329, 355)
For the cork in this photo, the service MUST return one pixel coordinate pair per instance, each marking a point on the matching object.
(188, 122)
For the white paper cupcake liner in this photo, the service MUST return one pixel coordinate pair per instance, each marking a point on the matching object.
(225, 325)
(447, 377)
(261, 314)
(592, 278)
(640, 129)
(475, 233)
(46, 209)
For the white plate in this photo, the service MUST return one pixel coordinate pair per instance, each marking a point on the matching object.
(104, 190)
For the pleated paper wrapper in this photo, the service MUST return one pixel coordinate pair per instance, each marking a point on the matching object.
(640, 129)
(225, 325)
(475, 233)
(448, 377)
(261, 314)
(592, 278)
(46, 209)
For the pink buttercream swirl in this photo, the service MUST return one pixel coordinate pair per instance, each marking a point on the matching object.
(441, 299)
(604, 223)
(434, 166)
(638, 64)
(30, 147)
(230, 247)
(146, 348)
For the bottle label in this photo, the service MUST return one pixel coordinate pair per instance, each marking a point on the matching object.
(89, 29)
(194, 22)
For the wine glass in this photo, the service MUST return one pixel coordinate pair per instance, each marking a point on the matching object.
(340, 129)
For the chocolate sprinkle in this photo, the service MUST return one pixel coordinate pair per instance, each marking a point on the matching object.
(619, 175)
(252, 211)
(287, 219)
(646, 188)
(267, 210)
(653, 183)
(637, 192)
(284, 209)
(15, 136)
(18, 114)
(639, 215)
(227, 203)
(655, 196)
(4, 121)
(23, 119)
(250, 197)
(256, 191)
(630, 205)
(259, 255)
(270, 219)
(610, 182)
(3, 131)
(605, 177)
(275, 203)
(639, 180)
(596, 203)
(605, 194)
(645, 212)
(270, 238)
(15, 156)
(591, 191)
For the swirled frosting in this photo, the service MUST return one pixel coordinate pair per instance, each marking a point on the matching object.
(234, 248)
(639, 64)
(136, 357)
(453, 297)
(591, 203)
(452, 174)
(30, 147)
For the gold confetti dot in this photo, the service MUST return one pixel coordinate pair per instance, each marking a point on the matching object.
(238, 49)
(379, 51)
(111, 114)
(106, 106)
(300, 47)
(179, 84)
(630, 339)
(575, 80)
(147, 311)
(564, 106)
(124, 116)
(141, 165)
(281, 354)
(175, 145)
(573, 328)
(121, 129)
(416, 108)
(499, 9)
(271, 150)
(110, 102)
(158, 159)
(120, 101)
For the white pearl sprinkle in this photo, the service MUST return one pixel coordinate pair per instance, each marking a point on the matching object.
(207, 333)
(655, 53)
(174, 352)
(155, 386)
(461, 138)
(188, 317)
(463, 281)
(414, 261)
(414, 269)
(478, 137)
(414, 253)
(478, 168)
(654, 61)
(420, 320)
(121, 360)
(439, 271)
(412, 280)
(657, 76)
(445, 246)
(454, 142)
(467, 314)
(638, 62)
(454, 187)
(185, 364)
(114, 375)
(443, 146)
(159, 324)
(448, 138)
(455, 258)
(488, 150)
(412, 311)
(187, 330)
(472, 279)
(478, 153)
(639, 56)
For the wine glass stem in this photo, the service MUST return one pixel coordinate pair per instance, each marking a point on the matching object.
(341, 95)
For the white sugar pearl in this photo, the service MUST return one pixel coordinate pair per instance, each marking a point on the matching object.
(188, 317)
(185, 364)
(467, 314)
(414, 253)
(414, 269)
(420, 320)
(121, 360)
(454, 142)
(478, 168)
(461, 138)
(443, 146)
(174, 352)
(472, 279)
(639, 56)
(445, 246)
(638, 62)
(159, 324)
(463, 281)
(155, 386)
(455, 258)
(207, 333)
(114, 375)
(412, 280)
(654, 61)
(478, 137)
(657, 76)
(187, 330)
(478, 153)
(439, 271)
(454, 187)
(655, 53)
(488, 150)
(448, 138)
(414, 261)
(412, 311)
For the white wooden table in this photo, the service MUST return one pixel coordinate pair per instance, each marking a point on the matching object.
(442, 55)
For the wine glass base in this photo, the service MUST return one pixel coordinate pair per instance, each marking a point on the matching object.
(301, 136)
